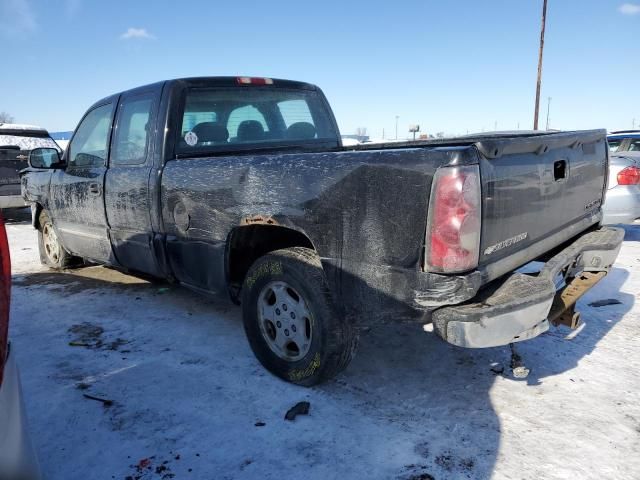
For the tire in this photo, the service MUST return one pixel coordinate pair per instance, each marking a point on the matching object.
(291, 323)
(52, 252)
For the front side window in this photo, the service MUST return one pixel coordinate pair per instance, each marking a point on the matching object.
(88, 148)
(132, 132)
(243, 118)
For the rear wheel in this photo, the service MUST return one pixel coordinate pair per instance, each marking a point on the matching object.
(290, 320)
(52, 252)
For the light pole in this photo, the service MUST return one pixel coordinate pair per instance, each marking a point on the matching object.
(548, 108)
(397, 117)
(537, 108)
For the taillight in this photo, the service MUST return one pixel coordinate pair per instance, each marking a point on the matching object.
(453, 226)
(629, 176)
(254, 81)
(5, 293)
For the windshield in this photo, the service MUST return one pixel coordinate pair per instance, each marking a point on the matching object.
(230, 118)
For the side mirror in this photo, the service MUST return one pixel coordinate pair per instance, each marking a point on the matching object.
(44, 158)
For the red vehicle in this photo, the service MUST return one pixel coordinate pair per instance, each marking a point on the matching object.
(17, 457)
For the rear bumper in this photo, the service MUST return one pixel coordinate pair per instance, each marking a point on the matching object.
(17, 457)
(12, 201)
(518, 309)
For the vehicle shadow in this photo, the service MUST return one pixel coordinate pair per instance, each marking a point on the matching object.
(418, 406)
(17, 216)
(632, 232)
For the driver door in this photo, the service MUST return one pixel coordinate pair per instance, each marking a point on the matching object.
(77, 191)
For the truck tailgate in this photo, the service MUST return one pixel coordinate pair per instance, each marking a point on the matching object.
(12, 160)
(538, 190)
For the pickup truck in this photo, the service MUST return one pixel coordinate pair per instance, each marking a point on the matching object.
(241, 186)
(16, 141)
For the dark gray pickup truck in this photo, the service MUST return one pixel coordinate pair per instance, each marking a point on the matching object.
(241, 186)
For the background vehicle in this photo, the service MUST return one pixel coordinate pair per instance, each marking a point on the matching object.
(624, 141)
(241, 185)
(622, 200)
(17, 457)
(16, 141)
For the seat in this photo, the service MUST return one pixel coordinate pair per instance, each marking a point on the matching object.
(301, 131)
(211, 132)
(250, 131)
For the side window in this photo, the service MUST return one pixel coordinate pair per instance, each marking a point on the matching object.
(247, 124)
(132, 131)
(90, 141)
(634, 146)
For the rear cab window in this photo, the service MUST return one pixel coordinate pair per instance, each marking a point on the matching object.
(245, 118)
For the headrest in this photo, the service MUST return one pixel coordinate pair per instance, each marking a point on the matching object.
(250, 130)
(211, 132)
(301, 131)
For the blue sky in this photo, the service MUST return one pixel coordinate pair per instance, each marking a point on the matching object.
(450, 66)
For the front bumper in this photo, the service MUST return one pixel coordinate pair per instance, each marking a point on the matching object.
(518, 309)
(17, 457)
(12, 201)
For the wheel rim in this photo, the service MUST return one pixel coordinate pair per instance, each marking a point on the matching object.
(51, 245)
(285, 321)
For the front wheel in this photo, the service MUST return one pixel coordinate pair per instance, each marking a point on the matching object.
(52, 252)
(290, 320)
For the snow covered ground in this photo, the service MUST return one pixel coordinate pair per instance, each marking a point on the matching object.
(191, 402)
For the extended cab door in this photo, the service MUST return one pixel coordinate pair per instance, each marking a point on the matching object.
(76, 192)
(127, 187)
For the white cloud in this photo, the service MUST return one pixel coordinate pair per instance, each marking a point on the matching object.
(16, 17)
(629, 9)
(136, 33)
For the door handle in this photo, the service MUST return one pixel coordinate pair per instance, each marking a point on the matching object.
(94, 189)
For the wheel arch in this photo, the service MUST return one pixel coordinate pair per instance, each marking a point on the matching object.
(247, 243)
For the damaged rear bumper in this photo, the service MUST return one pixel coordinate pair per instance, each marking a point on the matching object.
(519, 308)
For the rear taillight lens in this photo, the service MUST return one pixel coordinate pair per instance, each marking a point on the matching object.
(5, 293)
(629, 176)
(453, 226)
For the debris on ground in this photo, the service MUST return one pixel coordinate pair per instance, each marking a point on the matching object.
(518, 367)
(605, 302)
(300, 408)
(106, 402)
(497, 368)
(260, 424)
(162, 290)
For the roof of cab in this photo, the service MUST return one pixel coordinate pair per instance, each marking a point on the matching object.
(20, 126)
(213, 82)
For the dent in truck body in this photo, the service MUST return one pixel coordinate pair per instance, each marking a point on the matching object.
(364, 212)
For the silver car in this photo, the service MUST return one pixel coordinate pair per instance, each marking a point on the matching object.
(622, 201)
(17, 457)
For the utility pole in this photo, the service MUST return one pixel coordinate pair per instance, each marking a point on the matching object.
(397, 117)
(537, 109)
(548, 108)
(633, 124)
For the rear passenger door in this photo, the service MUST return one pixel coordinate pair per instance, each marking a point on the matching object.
(128, 194)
